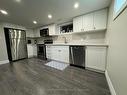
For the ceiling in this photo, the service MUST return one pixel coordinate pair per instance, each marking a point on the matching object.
(24, 12)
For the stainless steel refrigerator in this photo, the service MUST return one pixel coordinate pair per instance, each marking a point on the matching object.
(17, 44)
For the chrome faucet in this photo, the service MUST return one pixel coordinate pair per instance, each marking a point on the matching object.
(65, 39)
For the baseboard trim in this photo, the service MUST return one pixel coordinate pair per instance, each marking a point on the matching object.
(95, 70)
(112, 90)
(4, 62)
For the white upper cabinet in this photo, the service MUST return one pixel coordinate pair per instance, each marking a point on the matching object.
(77, 24)
(100, 19)
(52, 29)
(29, 33)
(88, 22)
(37, 32)
(91, 22)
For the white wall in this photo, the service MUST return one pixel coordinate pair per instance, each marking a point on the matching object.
(116, 37)
(3, 51)
(10, 25)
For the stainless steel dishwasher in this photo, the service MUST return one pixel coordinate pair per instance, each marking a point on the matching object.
(77, 56)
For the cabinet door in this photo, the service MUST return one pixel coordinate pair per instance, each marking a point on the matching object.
(30, 51)
(77, 24)
(35, 50)
(54, 53)
(36, 32)
(96, 57)
(29, 33)
(100, 19)
(52, 29)
(59, 53)
(48, 52)
(88, 24)
(64, 54)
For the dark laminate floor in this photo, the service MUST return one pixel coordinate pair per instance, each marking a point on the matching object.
(32, 77)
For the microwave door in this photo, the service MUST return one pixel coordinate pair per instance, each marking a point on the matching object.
(44, 32)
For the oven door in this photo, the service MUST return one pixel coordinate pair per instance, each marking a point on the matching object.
(41, 51)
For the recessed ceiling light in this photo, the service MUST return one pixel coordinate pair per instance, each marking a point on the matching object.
(50, 16)
(35, 22)
(76, 5)
(18, 0)
(3, 12)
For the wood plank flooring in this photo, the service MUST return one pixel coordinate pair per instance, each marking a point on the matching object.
(32, 77)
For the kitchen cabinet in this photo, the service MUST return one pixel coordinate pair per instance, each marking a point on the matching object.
(63, 54)
(52, 29)
(48, 52)
(88, 22)
(77, 24)
(29, 33)
(96, 57)
(59, 53)
(91, 22)
(100, 19)
(37, 32)
(35, 50)
(30, 50)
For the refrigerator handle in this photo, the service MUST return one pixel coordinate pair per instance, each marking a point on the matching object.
(72, 55)
(10, 42)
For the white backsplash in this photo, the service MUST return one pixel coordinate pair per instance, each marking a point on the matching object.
(98, 37)
(41, 39)
(82, 38)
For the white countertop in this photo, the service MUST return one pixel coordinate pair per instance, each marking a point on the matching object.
(86, 44)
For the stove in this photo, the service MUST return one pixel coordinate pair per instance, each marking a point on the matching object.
(41, 49)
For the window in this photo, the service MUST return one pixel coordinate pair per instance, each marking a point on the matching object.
(119, 6)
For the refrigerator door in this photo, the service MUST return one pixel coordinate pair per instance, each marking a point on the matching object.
(21, 49)
(17, 33)
(13, 33)
(18, 44)
(13, 45)
(21, 34)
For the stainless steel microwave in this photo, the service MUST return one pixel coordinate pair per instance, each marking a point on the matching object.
(44, 32)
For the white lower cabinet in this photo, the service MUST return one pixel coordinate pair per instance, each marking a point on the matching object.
(31, 50)
(96, 57)
(35, 50)
(59, 53)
